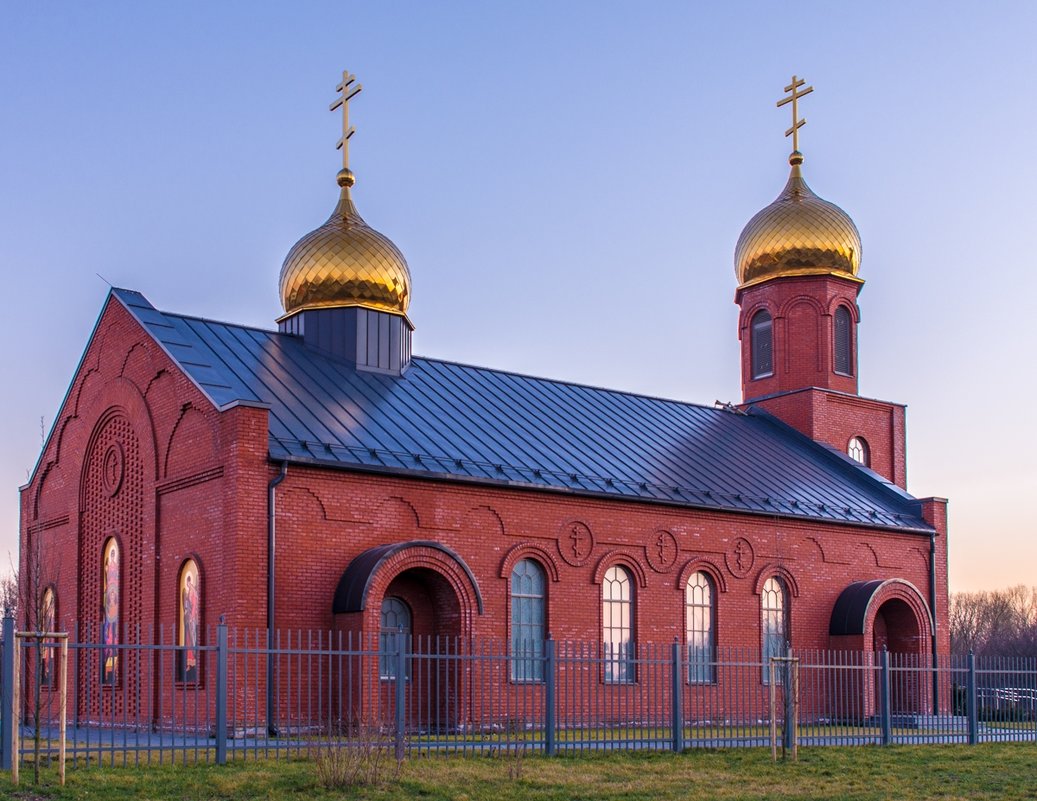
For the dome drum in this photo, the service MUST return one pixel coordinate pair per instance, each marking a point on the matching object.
(368, 339)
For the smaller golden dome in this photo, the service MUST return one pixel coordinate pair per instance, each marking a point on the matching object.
(797, 234)
(345, 262)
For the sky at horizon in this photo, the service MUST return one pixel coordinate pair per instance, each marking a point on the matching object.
(567, 182)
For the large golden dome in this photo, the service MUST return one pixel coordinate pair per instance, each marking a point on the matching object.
(797, 234)
(345, 262)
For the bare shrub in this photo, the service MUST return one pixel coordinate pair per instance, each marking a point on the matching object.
(368, 760)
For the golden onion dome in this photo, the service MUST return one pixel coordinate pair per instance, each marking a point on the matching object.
(797, 234)
(345, 262)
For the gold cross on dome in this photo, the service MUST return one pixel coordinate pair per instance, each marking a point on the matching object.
(347, 89)
(793, 98)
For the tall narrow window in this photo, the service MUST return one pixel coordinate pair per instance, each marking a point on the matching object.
(394, 634)
(617, 625)
(857, 449)
(48, 617)
(774, 622)
(843, 341)
(762, 344)
(527, 621)
(189, 623)
(701, 631)
(110, 602)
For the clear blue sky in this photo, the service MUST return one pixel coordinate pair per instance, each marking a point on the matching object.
(567, 181)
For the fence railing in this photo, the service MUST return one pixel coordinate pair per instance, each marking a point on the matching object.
(150, 700)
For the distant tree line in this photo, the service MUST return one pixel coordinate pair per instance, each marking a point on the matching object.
(994, 622)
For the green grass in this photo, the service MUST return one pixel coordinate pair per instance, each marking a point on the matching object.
(991, 771)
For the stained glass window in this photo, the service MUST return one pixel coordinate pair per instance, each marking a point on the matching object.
(527, 621)
(617, 625)
(189, 622)
(700, 628)
(110, 602)
(48, 610)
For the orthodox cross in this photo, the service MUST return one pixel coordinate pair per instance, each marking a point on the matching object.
(793, 98)
(347, 89)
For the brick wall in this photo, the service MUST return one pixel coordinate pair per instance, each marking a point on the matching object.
(191, 482)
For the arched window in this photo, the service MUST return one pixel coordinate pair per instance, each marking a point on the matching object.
(617, 607)
(762, 344)
(110, 603)
(858, 450)
(189, 618)
(47, 622)
(774, 627)
(701, 617)
(843, 341)
(393, 635)
(527, 621)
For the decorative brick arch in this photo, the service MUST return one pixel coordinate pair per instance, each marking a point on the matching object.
(856, 608)
(851, 307)
(122, 397)
(700, 563)
(774, 569)
(761, 304)
(192, 444)
(369, 575)
(807, 300)
(531, 551)
(620, 558)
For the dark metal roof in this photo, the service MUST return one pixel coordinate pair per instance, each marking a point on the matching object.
(461, 422)
(351, 592)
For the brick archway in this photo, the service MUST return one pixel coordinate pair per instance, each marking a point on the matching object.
(443, 599)
(887, 616)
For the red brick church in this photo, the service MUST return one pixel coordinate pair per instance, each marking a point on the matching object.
(320, 476)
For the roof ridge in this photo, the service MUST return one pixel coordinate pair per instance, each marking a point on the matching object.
(563, 382)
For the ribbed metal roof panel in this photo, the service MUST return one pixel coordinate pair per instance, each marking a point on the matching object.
(458, 421)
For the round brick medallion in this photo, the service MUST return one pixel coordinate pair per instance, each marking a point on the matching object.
(113, 468)
(661, 551)
(575, 543)
(740, 557)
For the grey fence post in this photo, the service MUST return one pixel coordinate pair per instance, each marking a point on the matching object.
(7, 699)
(549, 697)
(676, 712)
(971, 708)
(401, 691)
(221, 693)
(885, 700)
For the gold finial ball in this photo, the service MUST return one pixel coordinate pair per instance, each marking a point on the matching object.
(797, 234)
(345, 178)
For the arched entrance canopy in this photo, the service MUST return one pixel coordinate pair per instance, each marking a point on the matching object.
(852, 608)
(351, 592)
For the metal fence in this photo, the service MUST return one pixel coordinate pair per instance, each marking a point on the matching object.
(149, 700)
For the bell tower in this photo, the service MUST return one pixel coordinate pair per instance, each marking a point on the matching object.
(797, 263)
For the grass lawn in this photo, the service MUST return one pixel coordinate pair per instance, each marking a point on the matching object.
(990, 771)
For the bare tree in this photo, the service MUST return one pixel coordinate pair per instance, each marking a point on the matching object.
(9, 593)
(995, 622)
